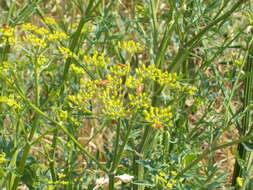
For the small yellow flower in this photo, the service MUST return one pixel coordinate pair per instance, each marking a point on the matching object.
(97, 60)
(7, 32)
(4, 66)
(50, 187)
(77, 70)
(140, 101)
(239, 181)
(57, 36)
(63, 116)
(162, 174)
(133, 82)
(10, 102)
(169, 185)
(158, 117)
(64, 182)
(120, 69)
(7, 35)
(61, 175)
(2, 158)
(131, 46)
(50, 182)
(35, 41)
(41, 31)
(161, 179)
(192, 90)
(173, 173)
(67, 53)
(28, 27)
(42, 60)
(50, 20)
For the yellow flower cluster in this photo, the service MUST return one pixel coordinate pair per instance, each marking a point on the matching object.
(41, 60)
(106, 93)
(34, 29)
(141, 101)
(57, 36)
(96, 60)
(162, 179)
(132, 82)
(158, 117)
(113, 104)
(50, 20)
(4, 66)
(61, 181)
(114, 82)
(7, 31)
(155, 74)
(41, 31)
(7, 35)
(66, 53)
(150, 72)
(10, 102)
(87, 92)
(63, 115)
(120, 69)
(77, 70)
(2, 158)
(131, 46)
(35, 41)
(168, 79)
(28, 27)
(38, 36)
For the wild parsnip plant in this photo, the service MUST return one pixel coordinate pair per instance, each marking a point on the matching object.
(125, 94)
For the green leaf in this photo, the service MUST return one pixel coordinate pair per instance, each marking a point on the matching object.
(144, 182)
(188, 158)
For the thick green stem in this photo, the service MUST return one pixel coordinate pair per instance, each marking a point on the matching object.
(246, 184)
(111, 181)
(243, 154)
(21, 167)
(52, 154)
(113, 166)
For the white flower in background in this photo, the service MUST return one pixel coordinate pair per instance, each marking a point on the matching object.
(101, 182)
(125, 178)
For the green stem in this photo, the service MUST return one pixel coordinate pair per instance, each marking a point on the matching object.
(66, 132)
(248, 82)
(121, 150)
(208, 151)
(52, 154)
(34, 126)
(75, 38)
(118, 155)
(249, 172)
(116, 148)
(164, 43)
(111, 180)
(21, 167)
(186, 48)
(37, 90)
(44, 115)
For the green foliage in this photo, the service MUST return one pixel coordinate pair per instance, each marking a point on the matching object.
(125, 94)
